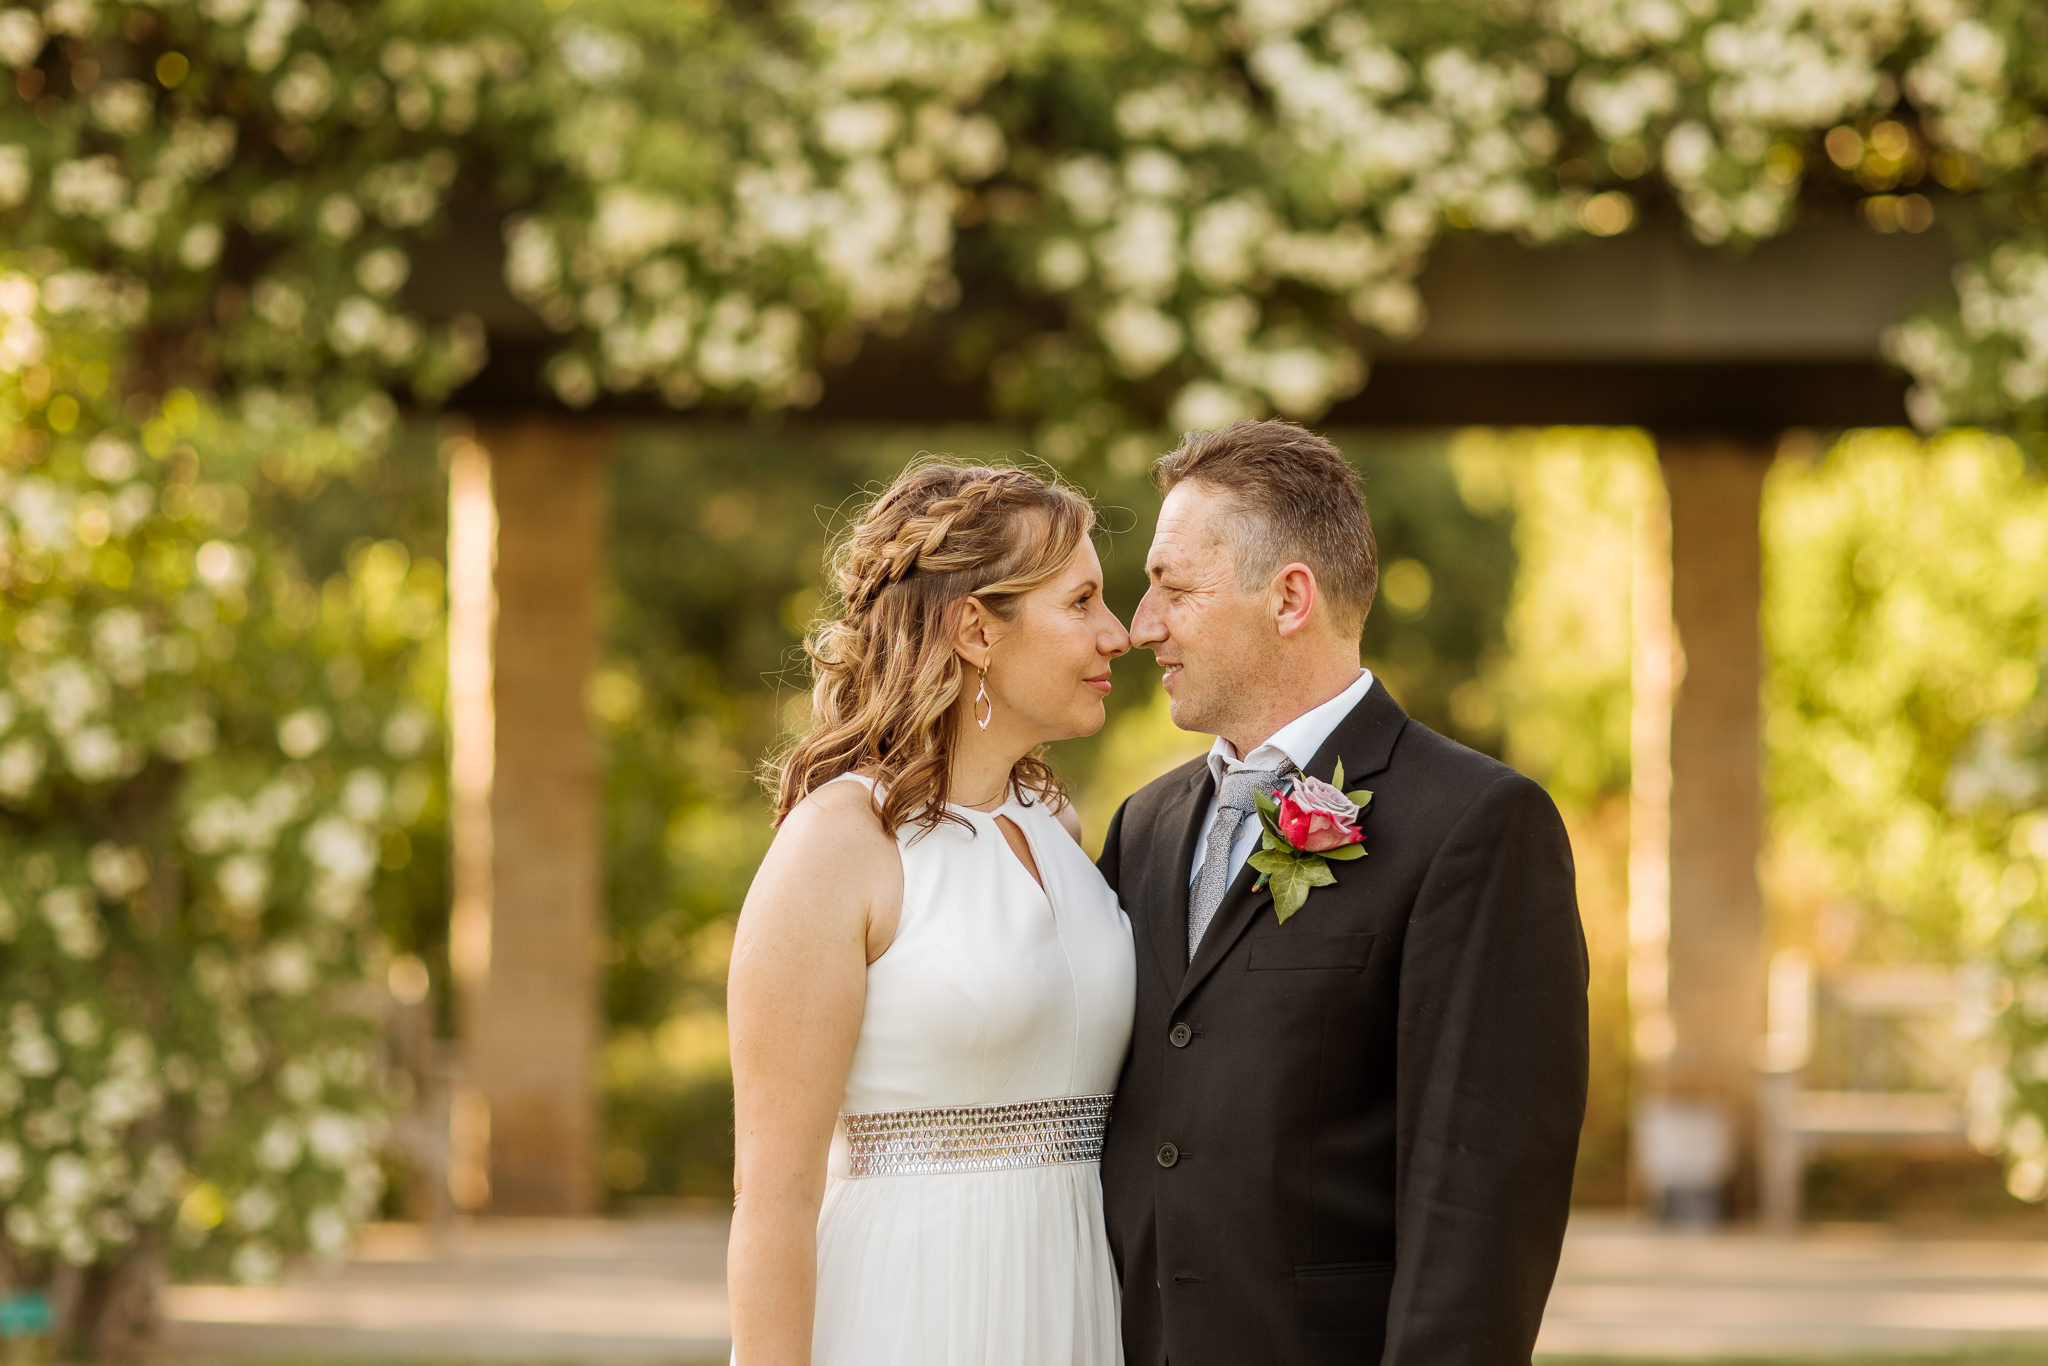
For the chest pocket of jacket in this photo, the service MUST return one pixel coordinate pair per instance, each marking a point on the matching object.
(1304, 952)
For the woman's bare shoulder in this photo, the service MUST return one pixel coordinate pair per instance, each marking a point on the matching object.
(837, 820)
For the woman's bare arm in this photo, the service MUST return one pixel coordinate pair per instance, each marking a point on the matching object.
(823, 905)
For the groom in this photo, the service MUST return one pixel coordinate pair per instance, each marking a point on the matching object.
(1347, 1137)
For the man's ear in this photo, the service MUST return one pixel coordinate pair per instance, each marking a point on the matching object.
(975, 630)
(1294, 599)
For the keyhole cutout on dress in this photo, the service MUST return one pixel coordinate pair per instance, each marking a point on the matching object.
(1021, 847)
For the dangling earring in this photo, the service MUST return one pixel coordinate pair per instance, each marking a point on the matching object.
(981, 696)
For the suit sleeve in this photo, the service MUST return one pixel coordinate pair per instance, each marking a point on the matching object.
(1112, 849)
(1490, 1085)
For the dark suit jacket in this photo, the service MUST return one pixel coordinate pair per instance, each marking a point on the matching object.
(1373, 1111)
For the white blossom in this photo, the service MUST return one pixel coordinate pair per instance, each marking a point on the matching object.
(123, 107)
(244, 883)
(289, 968)
(327, 1231)
(255, 1209)
(120, 639)
(200, 247)
(223, 567)
(33, 1055)
(407, 731)
(364, 796)
(15, 175)
(75, 921)
(1141, 339)
(304, 90)
(255, 1263)
(1062, 264)
(96, 754)
(383, 271)
(90, 187)
(304, 732)
(117, 872)
(109, 459)
(22, 37)
(78, 1024)
(341, 849)
(279, 1146)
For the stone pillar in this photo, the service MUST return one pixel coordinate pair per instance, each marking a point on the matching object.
(526, 532)
(1699, 1012)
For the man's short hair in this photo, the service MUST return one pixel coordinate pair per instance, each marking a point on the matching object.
(1293, 497)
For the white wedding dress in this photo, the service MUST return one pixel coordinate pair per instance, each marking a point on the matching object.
(975, 1237)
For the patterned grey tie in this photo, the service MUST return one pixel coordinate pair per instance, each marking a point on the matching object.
(1234, 802)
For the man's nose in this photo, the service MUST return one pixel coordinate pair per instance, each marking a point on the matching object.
(1148, 627)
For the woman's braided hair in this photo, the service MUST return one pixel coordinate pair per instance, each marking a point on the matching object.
(886, 680)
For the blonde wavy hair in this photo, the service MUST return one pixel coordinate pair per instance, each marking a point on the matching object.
(885, 675)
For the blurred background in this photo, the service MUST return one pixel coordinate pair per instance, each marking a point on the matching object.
(422, 424)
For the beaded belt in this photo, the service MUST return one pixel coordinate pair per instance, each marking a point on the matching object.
(977, 1138)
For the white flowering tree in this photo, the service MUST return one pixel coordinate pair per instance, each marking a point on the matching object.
(1127, 212)
(1169, 211)
(201, 757)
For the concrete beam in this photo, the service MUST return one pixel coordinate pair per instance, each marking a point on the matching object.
(1827, 290)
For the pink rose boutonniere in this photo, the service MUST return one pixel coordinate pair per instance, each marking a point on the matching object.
(1307, 824)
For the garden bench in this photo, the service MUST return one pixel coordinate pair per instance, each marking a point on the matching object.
(1863, 1058)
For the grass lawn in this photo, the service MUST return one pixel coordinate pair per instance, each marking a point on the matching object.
(2003, 1356)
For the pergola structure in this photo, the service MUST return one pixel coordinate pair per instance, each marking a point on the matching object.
(1715, 353)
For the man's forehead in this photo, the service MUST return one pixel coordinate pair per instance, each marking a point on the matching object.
(1187, 534)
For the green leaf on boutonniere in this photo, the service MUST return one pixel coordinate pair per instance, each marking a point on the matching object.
(1270, 861)
(1344, 853)
(1337, 778)
(1290, 878)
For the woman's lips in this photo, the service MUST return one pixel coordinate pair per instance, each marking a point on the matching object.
(1100, 685)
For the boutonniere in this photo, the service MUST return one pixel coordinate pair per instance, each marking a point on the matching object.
(1307, 824)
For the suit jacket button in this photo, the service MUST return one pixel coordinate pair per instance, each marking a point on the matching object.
(1168, 1154)
(1180, 1035)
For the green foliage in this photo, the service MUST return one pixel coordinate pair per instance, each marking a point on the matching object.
(1555, 681)
(205, 761)
(1907, 618)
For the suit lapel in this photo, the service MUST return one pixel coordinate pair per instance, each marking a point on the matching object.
(1180, 825)
(1364, 740)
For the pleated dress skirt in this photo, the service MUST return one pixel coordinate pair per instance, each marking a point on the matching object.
(984, 1268)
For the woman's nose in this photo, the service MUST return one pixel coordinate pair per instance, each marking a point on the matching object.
(1117, 638)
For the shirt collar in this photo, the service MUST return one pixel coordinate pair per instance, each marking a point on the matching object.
(1297, 741)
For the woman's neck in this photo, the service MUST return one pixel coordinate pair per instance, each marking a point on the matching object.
(979, 775)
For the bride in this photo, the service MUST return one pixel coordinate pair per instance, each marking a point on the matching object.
(931, 987)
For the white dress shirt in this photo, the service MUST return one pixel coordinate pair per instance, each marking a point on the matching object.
(1295, 743)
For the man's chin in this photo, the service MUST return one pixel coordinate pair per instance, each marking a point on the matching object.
(1187, 715)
